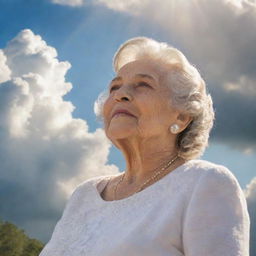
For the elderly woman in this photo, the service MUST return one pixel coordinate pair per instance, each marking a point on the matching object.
(167, 202)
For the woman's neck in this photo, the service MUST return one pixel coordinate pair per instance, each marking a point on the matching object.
(145, 157)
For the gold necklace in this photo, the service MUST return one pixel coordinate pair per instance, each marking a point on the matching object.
(156, 174)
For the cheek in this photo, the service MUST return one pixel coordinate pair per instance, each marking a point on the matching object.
(106, 115)
(106, 108)
(158, 113)
(150, 114)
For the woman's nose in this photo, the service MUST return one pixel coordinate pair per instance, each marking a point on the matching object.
(122, 94)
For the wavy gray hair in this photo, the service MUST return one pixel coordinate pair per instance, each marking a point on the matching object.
(188, 91)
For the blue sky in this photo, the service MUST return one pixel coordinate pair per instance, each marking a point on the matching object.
(38, 147)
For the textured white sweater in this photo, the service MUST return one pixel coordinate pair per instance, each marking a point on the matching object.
(198, 209)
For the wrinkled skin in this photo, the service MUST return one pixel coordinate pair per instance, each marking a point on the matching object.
(144, 137)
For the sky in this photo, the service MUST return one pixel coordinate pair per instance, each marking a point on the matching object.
(56, 58)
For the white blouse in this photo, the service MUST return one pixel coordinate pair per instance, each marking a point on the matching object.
(198, 209)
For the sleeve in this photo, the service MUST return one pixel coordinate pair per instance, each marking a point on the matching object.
(217, 220)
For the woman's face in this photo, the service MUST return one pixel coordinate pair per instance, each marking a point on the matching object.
(140, 90)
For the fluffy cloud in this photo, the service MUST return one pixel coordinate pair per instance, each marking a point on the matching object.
(5, 72)
(134, 7)
(212, 33)
(72, 3)
(250, 192)
(243, 86)
(44, 152)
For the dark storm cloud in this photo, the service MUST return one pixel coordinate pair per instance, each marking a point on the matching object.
(221, 41)
(219, 38)
(235, 119)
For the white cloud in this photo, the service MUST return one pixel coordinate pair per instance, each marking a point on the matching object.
(44, 152)
(131, 6)
(216, 35)
(5, 72)
(250, 193)
(244, 86)
(134, 7)
(248, 151)
(72, 3)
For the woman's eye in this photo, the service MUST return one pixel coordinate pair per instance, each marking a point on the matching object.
(143, 84)
(114, 87)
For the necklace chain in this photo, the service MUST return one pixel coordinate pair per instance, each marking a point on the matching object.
(146, 182)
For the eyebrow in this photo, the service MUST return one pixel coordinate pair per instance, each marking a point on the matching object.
(118, 78)
(146, 76)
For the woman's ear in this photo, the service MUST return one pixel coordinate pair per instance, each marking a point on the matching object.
(183, 120)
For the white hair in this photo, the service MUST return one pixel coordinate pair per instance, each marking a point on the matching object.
(188, 90)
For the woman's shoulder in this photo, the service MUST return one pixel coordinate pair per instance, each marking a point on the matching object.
(216, 201)
(207, 170)
(203, 166)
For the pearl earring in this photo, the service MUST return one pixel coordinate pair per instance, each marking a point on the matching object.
(174, 128)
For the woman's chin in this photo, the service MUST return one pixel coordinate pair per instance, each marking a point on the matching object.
(120, 133)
